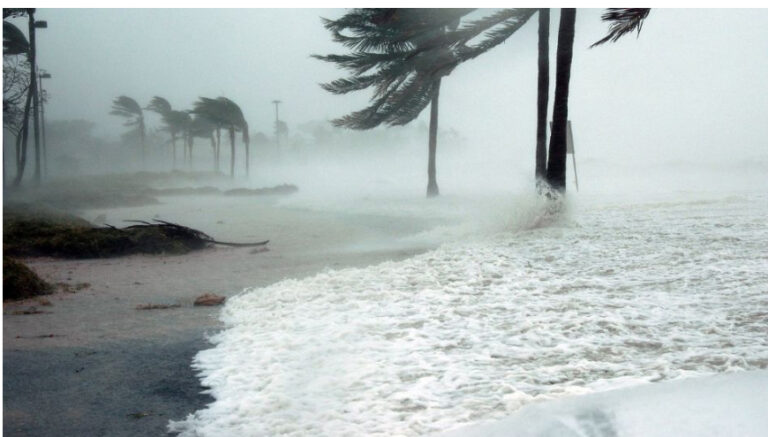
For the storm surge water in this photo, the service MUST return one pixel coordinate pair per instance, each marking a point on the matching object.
(612, 293)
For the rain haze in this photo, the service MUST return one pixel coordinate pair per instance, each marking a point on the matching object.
(306, 285)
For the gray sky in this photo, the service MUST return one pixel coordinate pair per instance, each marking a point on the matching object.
(692, 83)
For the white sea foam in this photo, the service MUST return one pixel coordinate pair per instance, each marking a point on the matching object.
(615, 293)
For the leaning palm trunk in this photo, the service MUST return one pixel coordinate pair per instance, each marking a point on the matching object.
(232, 155)
(432, 189)
(218, 148)
(247, 158)
(543, 97)
(173, 142)
(557, 144)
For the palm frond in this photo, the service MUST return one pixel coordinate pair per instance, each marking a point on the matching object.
(159, 105)
(623, 21)
(125, 106)
(14, 40)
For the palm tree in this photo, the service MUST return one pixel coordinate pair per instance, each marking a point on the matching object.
(557, 143)
(224, 113)
(176, 122)
(126, 107)
(543, 97)
(234, 121)
(200, 127)
(408, 53)
(211, 110)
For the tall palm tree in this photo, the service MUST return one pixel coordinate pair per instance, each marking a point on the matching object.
(402, 54)
(176, 122)
(211, 110)
(200, 127)
(234, 121)
(557, 143)
(543, 97)
(129, 109)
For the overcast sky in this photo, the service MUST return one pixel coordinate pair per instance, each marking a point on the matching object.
(691, 86)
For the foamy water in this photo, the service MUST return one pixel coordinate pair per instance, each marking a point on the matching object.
(613, 293)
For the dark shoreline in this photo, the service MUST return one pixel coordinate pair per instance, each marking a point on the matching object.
(126, 388)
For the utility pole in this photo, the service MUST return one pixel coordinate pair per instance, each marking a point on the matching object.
(277, 122)
(43, 75)
(33, 86)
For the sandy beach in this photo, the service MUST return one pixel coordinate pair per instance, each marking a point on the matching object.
(92, 364)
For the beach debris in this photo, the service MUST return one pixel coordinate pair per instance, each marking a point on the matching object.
(72, 288)
(259, 250)
(139, 414)
(43, 302)
(157, 306)
(209, 299)
(28, 311)
(185, 233)
(41, 336)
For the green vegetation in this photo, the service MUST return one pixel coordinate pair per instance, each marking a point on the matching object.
(20, 282)
(38, 231)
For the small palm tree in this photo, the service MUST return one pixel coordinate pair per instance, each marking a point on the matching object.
(129, 109)
(176, 122)
(200, 127)
(211, 110)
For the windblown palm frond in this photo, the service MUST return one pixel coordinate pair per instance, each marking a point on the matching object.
(126, 107)
(159, 105)
(401, 52)
(14, 41)
(623, 21)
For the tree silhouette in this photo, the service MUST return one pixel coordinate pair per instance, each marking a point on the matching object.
(224, 113)
(402, 54)
(176, 122)
(127, 108)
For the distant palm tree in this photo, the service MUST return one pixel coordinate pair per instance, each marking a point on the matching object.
(200, 127)
(224, 113)
(212, 111)
(176, 122)
(126, 107)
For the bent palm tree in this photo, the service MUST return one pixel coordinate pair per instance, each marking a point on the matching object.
(200, 127)
(176, 122)
(126, 107)
(402, 54)
(211, 110)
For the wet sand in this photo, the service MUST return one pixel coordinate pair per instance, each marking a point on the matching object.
(92, 364)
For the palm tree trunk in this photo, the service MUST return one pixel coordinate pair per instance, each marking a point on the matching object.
(21, 158)
(557, 144)
(173, 141)
(432, 189)
(247, 158)
(543, 97)
(232, 156)
(213, 147)
(191, 144)
(143, 136)
(218, 147)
